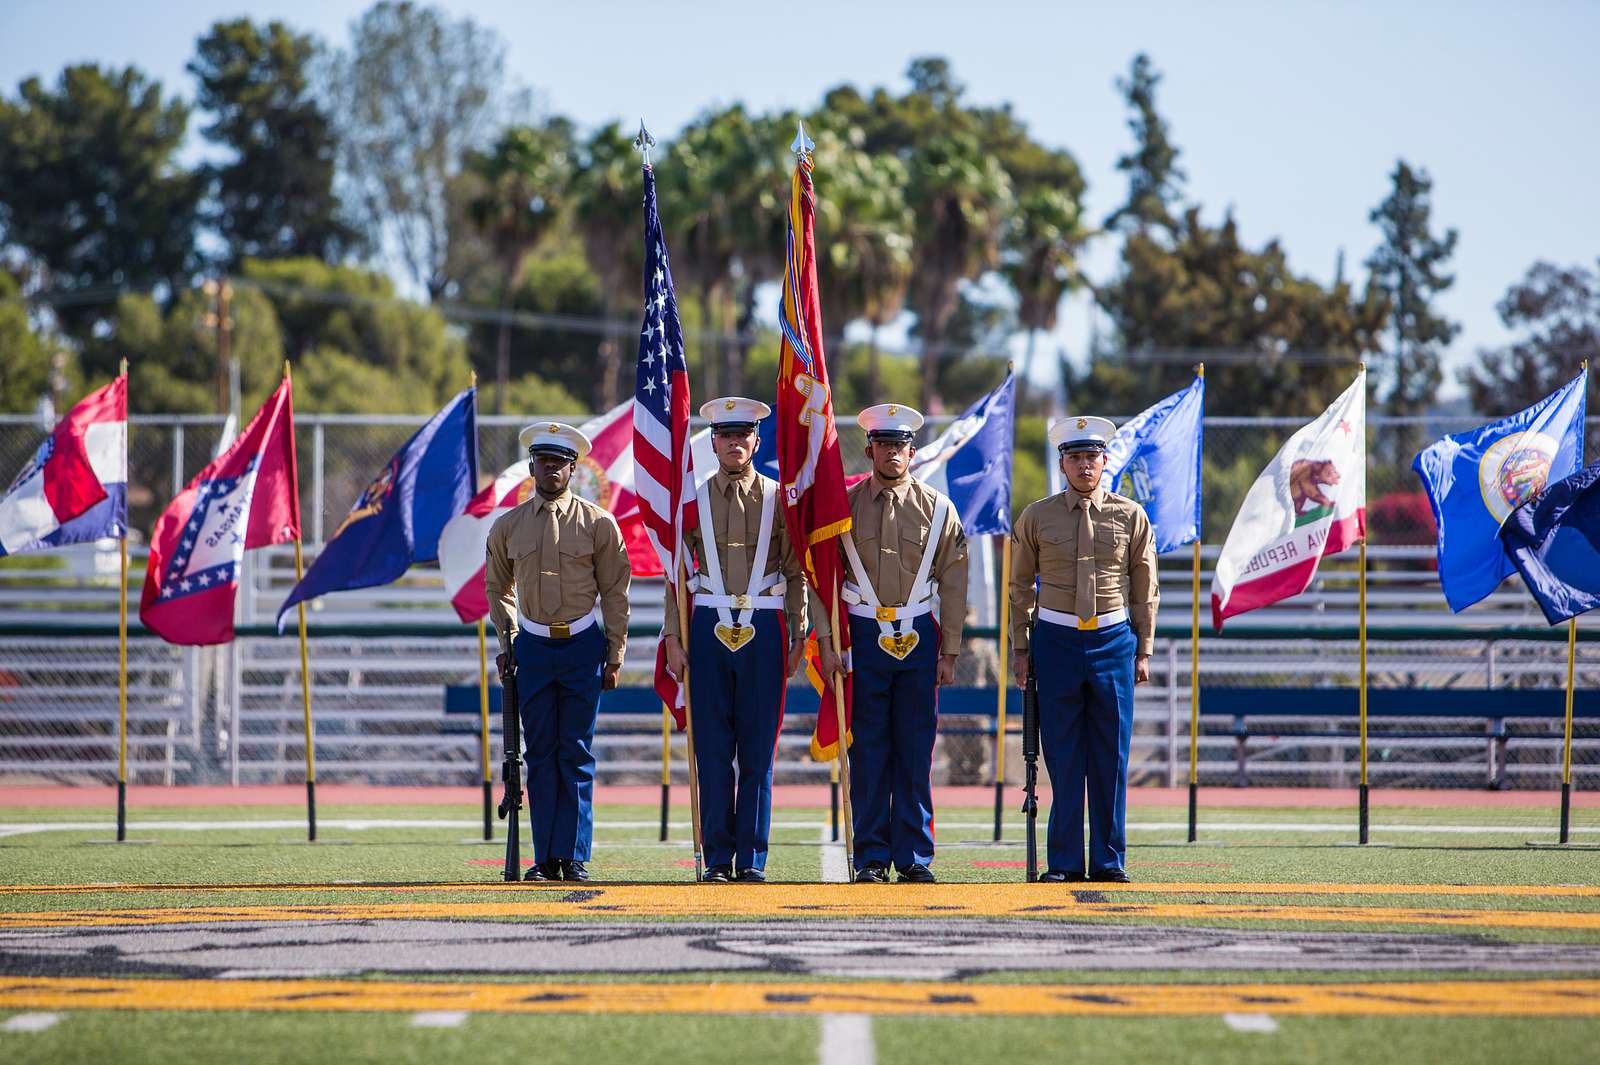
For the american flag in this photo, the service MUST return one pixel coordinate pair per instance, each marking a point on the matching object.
(661, 453)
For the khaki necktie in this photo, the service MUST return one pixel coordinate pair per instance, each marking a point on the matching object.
(888, 583)
(550, 566)
(1084, 605)
(738, 540)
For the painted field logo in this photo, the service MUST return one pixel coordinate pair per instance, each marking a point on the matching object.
(1514, 470)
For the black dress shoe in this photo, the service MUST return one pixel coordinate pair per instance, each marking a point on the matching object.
(573, 870)
(1109, 876)
(718, 874)
(1053, 876)
(873, 873)
(751, 876)
(544, 871)
(916, 874)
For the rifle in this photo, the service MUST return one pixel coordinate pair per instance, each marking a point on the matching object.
(1030, 761)
(511, 769)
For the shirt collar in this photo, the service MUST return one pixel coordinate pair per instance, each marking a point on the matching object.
(1097, 498)
(723, 482)
(558, 504)
(876, 485)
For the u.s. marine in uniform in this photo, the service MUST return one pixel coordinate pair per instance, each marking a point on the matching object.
(557, 578)
(1093, 616)
(746, 633)
(907, 597)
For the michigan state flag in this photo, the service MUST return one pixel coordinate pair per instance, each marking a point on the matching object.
(1555, 543)
(1154, 459)
(1309, 502)
(1475, 479)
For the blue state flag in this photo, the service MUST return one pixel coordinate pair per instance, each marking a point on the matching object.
(1154, 459)
(971, 462)
(1554, 541)
(398, 518)
(1475, 479)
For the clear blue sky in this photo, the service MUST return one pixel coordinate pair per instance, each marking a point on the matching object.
(1291, 113)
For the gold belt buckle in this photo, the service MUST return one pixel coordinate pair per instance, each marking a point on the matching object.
(1088, 625)
(887, 613)
(741, 602)
(561, 630)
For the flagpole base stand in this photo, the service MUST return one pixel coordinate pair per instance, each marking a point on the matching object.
(1194, 812)
(488, 812)
(116, 842)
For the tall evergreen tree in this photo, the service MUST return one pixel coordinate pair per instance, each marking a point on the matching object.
(1154, 180)
(1557, 308)
(91, 190)
(274, 198)
(1408, 267)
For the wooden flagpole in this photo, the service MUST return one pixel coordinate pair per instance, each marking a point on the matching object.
(1566, 735)
(843, 744)
(666, 767)
(122, 657)
(1194, 677)
(483, 695)
(483, 731)
(1002, 688)
(1362, 599)
(688, 718)
(305, 685)
(1566, 738)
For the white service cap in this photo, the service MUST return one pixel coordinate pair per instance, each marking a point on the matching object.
(1075, 433)
(890, 421)
(554, 437)
(734, 412)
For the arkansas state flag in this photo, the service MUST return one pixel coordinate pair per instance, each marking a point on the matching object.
(247, 497)
(810, 471)
(74, 488)
(1310, 501)
(603, 476)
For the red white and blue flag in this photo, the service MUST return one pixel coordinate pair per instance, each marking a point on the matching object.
(662, 478)
(248, 497)
(75, 488)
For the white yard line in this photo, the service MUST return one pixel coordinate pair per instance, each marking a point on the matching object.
(1307, 826)
(30, 1022)
(439, 1019)
(1250, 1022)
(835, 870)
(846, 1040)
(362, 824)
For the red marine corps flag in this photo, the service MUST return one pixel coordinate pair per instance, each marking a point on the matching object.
(809, 468)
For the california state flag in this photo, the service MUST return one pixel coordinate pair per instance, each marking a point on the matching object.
(1310, 501)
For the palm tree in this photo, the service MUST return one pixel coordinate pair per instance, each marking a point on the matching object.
(608, 194)
(525, 179)
(961, 196)
(863, 237)
(1040, 260)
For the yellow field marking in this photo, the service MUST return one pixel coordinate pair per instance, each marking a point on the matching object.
(1552, 998)
(1051, 892)
(841, 901)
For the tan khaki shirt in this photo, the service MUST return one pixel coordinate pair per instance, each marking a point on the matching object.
(736, 518)
(889, 524)
(1045, 544)
(556, 578)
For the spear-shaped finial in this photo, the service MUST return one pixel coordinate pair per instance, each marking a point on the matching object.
(644, 142)
(803, 144)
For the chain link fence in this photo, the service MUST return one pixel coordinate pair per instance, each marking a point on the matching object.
(233, 713)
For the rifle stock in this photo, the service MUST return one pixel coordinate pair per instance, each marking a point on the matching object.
(1030, 761)
(511, 770)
